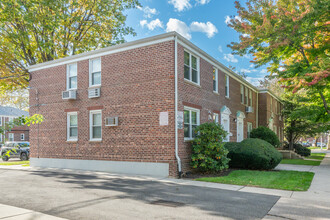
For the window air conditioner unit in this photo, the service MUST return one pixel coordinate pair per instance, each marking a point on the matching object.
(249, 109)
(70, 94)
(94, 93)
(111, 121)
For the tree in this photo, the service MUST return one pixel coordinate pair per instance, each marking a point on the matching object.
(299, 119)
(293, 38)
(35, 31)
(18, 99)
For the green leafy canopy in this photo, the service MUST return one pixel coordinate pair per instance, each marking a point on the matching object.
(35, 31)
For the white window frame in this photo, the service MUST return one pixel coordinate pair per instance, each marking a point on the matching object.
(216, 117)
(215, 80)
(242, 94)
(68, 126)
(190, 68)
(249, 129)
(190, 124)
(22, 137)
(250, 98)
(91, 113)
(68, 76)
(91, 72)
(11, 136)
(227, 86)
(246, 96)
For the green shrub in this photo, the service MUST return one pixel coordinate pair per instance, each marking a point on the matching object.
(253, 153)
(299, 149)
(266, 134)
(208, 151)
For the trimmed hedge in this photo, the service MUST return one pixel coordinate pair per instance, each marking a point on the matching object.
(266, 134)
(299, 149)
(254, 154)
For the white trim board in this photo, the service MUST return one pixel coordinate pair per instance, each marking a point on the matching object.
(124, 167)
(104, 51)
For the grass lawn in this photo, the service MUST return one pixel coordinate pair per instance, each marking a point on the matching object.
(286, 180)
(15, 163)
(316, 156)
(301, 162)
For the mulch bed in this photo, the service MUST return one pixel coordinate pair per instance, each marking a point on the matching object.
(196, 175)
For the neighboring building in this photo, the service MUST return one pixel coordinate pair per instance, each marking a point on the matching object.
(18, 133)
(270, 112)
(132, 108)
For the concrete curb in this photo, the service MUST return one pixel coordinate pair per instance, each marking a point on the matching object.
(10, 213)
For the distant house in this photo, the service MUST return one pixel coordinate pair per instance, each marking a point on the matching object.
(133, 107)
(18, 133)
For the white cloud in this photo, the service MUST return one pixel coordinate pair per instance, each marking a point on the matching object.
(148, 12)
(263, 71)
(178, 26)
(202, 2)
(220, 49)
(254, 80)
(246, 71)
(251, 65)
(228, 19)
(230, 58)
(180, 5)
(208, 28)
(152, 24)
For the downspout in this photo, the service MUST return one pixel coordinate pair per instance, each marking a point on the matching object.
(176, 104)
(257, 108)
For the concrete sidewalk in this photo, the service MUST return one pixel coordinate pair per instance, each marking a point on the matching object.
(10, 213)
(312, 204)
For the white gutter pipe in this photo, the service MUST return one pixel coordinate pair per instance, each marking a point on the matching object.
(176, 104)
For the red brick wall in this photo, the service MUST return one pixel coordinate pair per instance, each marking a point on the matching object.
(136, 86)
(267, 110)
(204, 97)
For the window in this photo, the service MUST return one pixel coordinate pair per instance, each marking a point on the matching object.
(275, 106)
(95, 120)
(191, 121)
(275, 129)
(22, 137)
(191, 68)
(271, 104)
(0, 121)
(246, 95)
(72, 126)
(227, 86)
(215, 80)
(95, 72)
(11, 136)
(72, 76)
(242, 94)
(249, 129)
(11, 119)
(250, 97)
(0, 138)
(216, 117)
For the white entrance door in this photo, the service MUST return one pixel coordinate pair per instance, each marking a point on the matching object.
(240, 130)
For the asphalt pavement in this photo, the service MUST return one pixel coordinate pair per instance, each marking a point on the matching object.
(74, 195)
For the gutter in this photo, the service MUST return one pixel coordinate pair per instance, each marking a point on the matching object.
(176, 104)
(257, 112)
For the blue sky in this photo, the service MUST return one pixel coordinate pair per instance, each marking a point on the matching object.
(203, 22)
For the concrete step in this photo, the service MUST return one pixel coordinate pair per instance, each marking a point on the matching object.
(289, 154)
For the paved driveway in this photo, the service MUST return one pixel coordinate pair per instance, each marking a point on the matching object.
(92, 196)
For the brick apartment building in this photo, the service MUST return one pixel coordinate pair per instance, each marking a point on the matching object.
(132, 108)
(18, 133)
